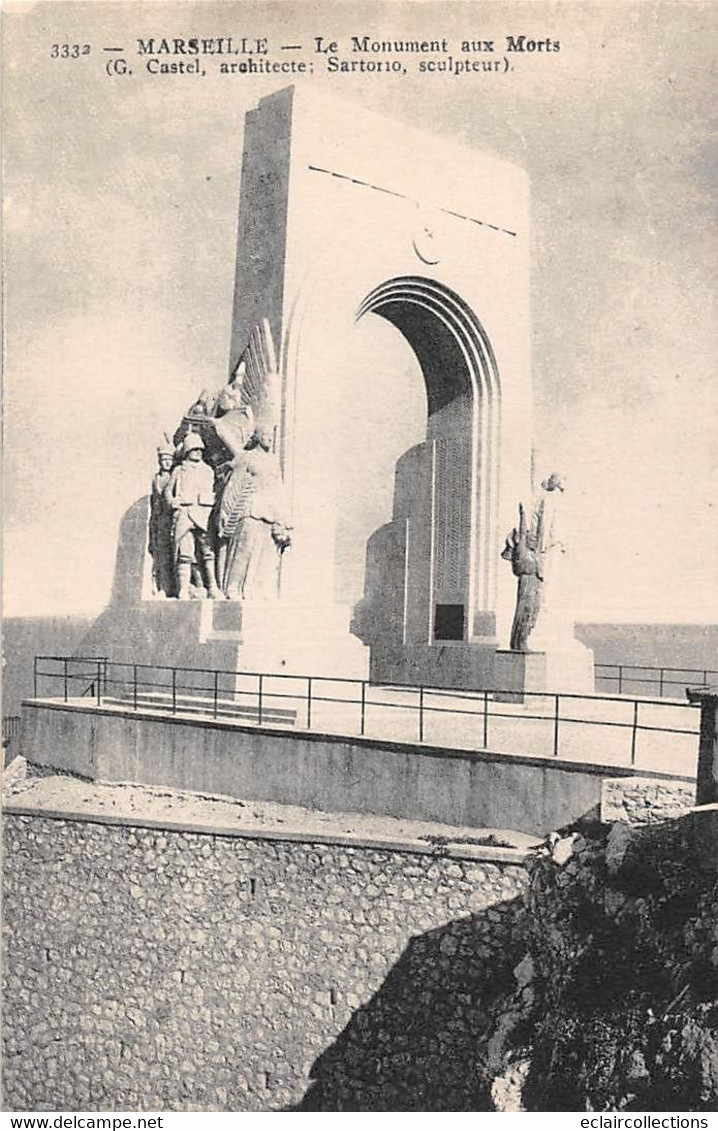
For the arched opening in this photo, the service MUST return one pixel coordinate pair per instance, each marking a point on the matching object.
(431, 571)
(380, 405)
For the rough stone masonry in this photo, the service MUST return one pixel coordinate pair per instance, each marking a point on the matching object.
(162, 970)
(159, 969)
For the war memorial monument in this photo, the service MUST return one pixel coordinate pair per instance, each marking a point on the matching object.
(238, 569)
(220, 901)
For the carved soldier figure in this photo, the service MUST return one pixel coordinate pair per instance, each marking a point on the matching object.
(190, 494)
(227, 494)
(160, 543)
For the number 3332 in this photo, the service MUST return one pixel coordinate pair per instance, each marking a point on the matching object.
(69, 50)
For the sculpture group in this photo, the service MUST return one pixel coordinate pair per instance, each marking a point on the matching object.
(218, 522)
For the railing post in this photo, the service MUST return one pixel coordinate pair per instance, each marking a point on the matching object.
(421, 714)
(634, 732)
(363, 705)
(660, 684)
(216, 692)
(174, 691)
(556, 716)
(259, 701)
(65, 676)
(620, 679)
(99, 682)
(134, 686)
(309, 702)
(707, 777)
(34, 678)
(486, 720)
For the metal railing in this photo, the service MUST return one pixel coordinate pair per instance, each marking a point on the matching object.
(256, 698)
(626, 676)
(68, 674)
(11, 725)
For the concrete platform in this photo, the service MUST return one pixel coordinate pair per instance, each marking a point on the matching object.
(321, 771)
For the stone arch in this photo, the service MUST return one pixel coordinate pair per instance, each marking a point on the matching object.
(336, 223)
(463, 392)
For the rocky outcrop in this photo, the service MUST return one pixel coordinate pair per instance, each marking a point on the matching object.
(614, 1005)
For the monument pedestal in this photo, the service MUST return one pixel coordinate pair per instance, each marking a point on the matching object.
(282, 636)
(450, 664)
(268, 637)
(567, 668)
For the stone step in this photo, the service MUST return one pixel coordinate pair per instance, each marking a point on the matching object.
(204, 706)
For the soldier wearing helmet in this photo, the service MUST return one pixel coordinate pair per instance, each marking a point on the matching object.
(190, 495)
(160, 531)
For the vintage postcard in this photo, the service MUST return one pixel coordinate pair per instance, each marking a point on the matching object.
(360, 556)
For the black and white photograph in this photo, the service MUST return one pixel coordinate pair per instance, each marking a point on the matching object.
(360, 559)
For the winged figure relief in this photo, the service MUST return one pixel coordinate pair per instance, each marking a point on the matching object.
(259, 380)
(252, 526)
(235, 502)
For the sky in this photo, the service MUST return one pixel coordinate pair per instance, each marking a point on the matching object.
(120, 217)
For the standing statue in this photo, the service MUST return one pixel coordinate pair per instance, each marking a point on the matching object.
(252, 522)
(525, 552)
(250, 516)
(190, 495)
(160, 544)
(556, 622)
(233, 428)
(535, 550)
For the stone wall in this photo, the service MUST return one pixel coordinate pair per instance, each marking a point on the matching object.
(180, 970)
(168, 970)
(645, 801)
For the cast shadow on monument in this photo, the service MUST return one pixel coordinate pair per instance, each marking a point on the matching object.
(131, 553)
(428, 1039)
(369, 614)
